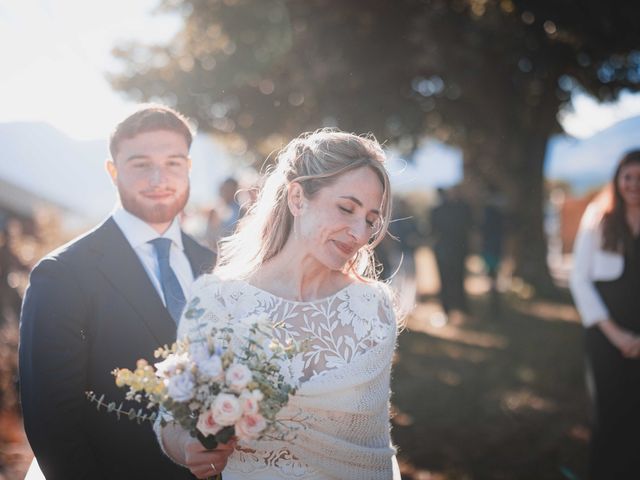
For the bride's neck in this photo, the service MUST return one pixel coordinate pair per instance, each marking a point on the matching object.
(299, 279)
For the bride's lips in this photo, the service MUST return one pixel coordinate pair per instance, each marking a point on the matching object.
(343, 247)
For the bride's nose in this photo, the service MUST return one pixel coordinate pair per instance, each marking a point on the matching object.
(358, 231)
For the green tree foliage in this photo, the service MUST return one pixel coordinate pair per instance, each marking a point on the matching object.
(489, 76)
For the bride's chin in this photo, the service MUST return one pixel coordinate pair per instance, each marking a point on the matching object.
(328, 264)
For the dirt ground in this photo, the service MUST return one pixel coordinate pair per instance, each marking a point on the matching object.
(490, 397)
(498, 395)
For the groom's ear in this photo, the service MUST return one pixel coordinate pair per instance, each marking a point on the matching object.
(113, 171)
(295, 198)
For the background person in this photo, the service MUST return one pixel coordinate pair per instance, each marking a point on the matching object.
(492, 233)
(222, 219)
(451, 224)
(605, 283)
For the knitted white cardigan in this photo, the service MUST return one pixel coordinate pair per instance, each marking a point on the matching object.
(345, 373)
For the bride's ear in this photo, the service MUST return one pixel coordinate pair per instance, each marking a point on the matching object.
(295, 198)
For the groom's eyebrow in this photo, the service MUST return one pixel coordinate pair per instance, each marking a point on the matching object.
(141, 156)
(359, 203)
(136, 157)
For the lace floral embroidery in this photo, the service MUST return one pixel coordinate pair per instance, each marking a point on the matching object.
(248, 461)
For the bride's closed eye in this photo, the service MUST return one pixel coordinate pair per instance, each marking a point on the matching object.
(370, 223)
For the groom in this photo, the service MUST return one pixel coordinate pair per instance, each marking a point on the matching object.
(105, 300)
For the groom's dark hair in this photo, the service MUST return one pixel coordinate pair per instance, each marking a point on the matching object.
(150, 118)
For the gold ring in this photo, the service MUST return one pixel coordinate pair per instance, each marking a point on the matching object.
(214, 467)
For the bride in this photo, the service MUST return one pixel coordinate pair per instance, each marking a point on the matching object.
(303, 256)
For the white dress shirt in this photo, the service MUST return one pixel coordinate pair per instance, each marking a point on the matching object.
(138, 233)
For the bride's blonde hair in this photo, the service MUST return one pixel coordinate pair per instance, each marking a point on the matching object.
(314, 160)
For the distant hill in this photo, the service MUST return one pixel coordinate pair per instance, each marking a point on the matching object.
(41, 159)
(589, 163)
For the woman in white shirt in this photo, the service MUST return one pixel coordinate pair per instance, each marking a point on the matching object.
(605, 283)
(303, 255)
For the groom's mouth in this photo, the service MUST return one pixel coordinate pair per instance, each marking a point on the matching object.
(157, 195)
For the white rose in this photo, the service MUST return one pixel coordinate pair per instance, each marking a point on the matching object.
(169, 365)
(211, 367)
(207, 424)
(180, 387)
(199, 351)
(226, 409)
(238, 376)
(250, 426)
(250, 401)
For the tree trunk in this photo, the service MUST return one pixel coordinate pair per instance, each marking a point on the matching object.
(515, 165)
(527, 207)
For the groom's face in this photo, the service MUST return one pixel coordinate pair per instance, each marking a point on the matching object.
(151, 172)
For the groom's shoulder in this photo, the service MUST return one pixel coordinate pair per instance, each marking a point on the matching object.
(79, 249)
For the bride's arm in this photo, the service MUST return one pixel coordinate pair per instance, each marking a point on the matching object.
(186, 450)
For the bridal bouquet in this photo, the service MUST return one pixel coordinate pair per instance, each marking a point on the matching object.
(230, 381)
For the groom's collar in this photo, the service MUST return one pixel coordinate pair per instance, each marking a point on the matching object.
(138, 232)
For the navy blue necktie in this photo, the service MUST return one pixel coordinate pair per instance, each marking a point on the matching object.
(173, 294)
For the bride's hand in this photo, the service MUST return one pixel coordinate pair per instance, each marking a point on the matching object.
(187, 451)
(205, 463)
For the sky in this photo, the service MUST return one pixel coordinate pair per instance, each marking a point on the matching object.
(55, 54)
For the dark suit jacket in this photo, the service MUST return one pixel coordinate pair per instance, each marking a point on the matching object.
(90, 307)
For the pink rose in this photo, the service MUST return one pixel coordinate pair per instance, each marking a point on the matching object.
(238, 376)
(250, 401)
(226, 409)
(250, 426)
(207, 424)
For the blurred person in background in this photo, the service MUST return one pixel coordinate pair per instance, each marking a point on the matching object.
(605, 283)
(222, 219)
(451, 223)
(492, 231)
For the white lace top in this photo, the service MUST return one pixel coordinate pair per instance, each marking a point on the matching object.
(344, 372)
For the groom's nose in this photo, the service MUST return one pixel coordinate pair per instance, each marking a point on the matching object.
(157, 175)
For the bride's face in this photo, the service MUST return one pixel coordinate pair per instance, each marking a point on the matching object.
(340, 218)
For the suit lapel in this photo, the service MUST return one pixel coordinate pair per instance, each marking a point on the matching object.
(200, 259)
(122, 267)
